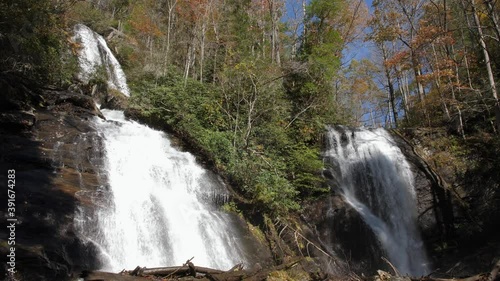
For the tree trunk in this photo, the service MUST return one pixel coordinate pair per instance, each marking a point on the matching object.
(467, 65)
(437, 81)
(171, 6)
(487, 63)
(202, 49)
(188, 63)
(273, 12)
(494, 18)
(390, 85)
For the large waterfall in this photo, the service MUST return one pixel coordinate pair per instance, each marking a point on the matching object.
(156, 209)
(155, 204)
(376, 181)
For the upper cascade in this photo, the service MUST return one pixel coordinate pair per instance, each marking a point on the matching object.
(94, 54)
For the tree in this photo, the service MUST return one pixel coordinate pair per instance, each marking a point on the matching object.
(487, 62)
(31, 39)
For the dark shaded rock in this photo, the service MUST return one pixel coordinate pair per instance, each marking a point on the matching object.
(114, 99)
(55, 153)
(17, 121)
(343, 233)
(71, 103)
(18, 93)
(52, 165)
(328, 174)
(108, 98)
(434, 207)
(456, 211)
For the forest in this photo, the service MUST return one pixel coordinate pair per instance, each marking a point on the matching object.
(432, 62)
(252, 84)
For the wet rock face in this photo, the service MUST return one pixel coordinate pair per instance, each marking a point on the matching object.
(56, 157)
(344, 234)
(454, 219)
(427, 201)
(438, 209)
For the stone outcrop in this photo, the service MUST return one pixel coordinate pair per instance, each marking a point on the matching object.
(435, 199)
(458, 191)
(343, 233)
(46, 138)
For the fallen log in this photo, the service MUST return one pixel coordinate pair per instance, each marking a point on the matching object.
(236, 273)
(177, 270)
(188, 272)
(247, 275)
(106, 276)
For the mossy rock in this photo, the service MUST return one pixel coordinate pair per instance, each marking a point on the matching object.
(114, 99)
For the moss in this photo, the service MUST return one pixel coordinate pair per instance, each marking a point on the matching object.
(279, 276)
(293, 274)
(257, 233)
(230, 207)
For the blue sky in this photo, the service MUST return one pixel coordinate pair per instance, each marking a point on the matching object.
(362, 49)
(358, 51)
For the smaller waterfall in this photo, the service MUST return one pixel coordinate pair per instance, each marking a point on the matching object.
(376, 181)
(95, 54)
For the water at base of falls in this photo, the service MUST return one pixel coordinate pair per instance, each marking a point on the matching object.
(155, 209)
(376, 181)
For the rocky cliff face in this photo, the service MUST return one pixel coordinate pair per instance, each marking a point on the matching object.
(46, 139)
(342, 233)
(459, 207)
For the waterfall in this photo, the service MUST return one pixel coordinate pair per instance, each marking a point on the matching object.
(156, 209)
(95, 54)
(155, 205)
(377, 182)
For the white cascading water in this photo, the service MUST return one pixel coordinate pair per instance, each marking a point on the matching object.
(94, 54)
(377, 182)
(157, 208)
(155, 204)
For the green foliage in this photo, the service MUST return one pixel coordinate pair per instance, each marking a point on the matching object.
(322, 49)
(84, 12)
(230, 207)
(265, 160)
(31, 39)
(321, 10)
(306, 163)
(275, 192)
(219, 145)
(325, 57)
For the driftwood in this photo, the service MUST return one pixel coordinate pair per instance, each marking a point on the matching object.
(177, 270)
(106, 276)
(190, 272)
(187, 272)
